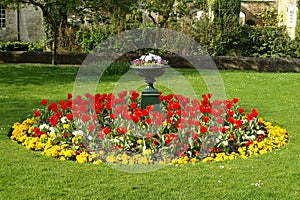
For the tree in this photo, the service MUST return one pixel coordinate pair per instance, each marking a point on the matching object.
(55, 14)
(109, 12)
(297, 29)
(159, 12)
(226, 11)
(105, 18)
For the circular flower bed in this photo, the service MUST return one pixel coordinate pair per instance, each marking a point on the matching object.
(113, 129)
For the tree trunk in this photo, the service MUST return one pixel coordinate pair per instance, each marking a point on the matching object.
(54, 46)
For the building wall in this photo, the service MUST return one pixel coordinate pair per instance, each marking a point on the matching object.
(30, 23)
(251, 8)
(286, 8)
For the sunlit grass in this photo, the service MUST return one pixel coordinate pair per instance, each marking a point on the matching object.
(30, 175)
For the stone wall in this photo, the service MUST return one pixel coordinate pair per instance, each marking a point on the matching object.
(222, 62)
(10, 33)
(30, 23)
(258, 64)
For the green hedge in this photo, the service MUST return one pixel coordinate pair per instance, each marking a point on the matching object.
(266, 42)
(248, 41)
(21, 46)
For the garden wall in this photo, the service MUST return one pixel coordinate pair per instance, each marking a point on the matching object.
(222, 62)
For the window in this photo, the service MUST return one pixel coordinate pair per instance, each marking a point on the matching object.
(2, 17)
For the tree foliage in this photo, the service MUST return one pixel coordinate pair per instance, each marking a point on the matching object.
(55, 15)
(297, 29)
(212, 23)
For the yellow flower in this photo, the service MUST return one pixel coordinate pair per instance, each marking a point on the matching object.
(251, 147)
(174, 161)
(39, 146)
(76, 138)
(52, 135)
(66, 126)
(241, 151)
(111, 159)
(260, 145)
(147, 152)
(131, 161)
(207, 159)
(82, 157)
(165, 123)
(125, 162)
(263, 151)
(67, 153)
(243, 156)
(30, 129)
(143, 160)
(97, 162)
(194, 160)
(255, 150)
(232, 156)
(221, 157)
(139, 141)
(101, 153)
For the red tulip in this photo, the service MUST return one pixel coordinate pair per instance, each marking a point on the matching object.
(44, 102)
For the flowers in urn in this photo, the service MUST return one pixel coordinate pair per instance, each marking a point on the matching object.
(149, 60)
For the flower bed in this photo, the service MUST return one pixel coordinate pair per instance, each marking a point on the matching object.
(113, 129)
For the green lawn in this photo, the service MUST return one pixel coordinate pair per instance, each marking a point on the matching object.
(29, 175)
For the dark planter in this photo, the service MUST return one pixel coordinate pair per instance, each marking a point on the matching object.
(150, 95)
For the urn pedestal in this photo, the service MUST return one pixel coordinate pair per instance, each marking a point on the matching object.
(150, 95)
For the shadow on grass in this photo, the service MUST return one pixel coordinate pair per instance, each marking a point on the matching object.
(42, 74)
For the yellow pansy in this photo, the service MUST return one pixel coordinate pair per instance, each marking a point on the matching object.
(66, 126)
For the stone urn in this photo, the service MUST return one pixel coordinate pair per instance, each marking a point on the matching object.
(150, 95)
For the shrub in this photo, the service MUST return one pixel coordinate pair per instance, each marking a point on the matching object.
(67, 40)
(217, 38)
(39, 46)
(21, 46)
(293, 48)
(14, 46)
(90, 36)
(264, 42)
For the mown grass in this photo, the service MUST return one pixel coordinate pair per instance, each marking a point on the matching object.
(29, 175)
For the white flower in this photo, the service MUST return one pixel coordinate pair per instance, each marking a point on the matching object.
(89, 137)
(63, 119)
(79, 132)
(116, 140)
(260, 132)
(44, 126)
(142, 57)
(52, 130)
(251, 137)
(149, 58)
(225, 143)
(156, 58)
(259, 184)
